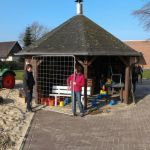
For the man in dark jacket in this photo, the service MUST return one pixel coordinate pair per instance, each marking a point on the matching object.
(28, 83)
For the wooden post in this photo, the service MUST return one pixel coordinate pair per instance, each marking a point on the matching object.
(127, 74)
(85, 65)
(85, 85)
(35, 93)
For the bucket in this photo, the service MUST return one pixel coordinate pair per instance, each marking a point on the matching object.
(61, 104)
(66, 101)
(112, 102)
(43, 101)
(52, 102)
(47, 102)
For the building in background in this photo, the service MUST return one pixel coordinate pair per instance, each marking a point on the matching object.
(142, 46)
(8, 49)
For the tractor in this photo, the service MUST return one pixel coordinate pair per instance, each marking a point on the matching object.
(7, 78)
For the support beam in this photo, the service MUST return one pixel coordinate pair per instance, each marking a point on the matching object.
(85, 66)
(124, 60)
(85, 85)
(91, 61)
(127, 84)
(35, 93)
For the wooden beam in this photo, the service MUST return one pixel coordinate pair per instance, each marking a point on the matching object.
(85, 85)
(88, 62)
(85, 66)
(126, 62)
(127, 84)
(91, 61)
(35, 92)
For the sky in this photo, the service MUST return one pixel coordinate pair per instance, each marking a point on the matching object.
(115, 16)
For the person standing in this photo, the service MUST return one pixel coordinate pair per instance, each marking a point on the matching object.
(28, 83)
(140, 72)
(75, 83)
(134, 77)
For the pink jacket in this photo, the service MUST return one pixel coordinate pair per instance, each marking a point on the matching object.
(79, 79)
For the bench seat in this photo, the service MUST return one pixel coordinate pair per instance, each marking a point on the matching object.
(62, 91)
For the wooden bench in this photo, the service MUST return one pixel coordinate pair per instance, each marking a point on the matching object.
(62, 91)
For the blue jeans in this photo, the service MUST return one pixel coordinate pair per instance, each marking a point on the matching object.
(29, 100)
(76, 96)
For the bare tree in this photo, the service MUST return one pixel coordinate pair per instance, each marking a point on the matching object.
(144, 15)
(37, 31)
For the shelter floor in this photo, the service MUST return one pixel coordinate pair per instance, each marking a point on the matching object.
(102, 106)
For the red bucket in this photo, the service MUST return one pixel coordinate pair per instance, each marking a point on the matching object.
(47, 102)
(43, 101)
(52, 102)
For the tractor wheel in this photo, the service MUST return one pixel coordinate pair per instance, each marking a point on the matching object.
(8, 81)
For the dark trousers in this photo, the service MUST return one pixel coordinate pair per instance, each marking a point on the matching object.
(29, 100)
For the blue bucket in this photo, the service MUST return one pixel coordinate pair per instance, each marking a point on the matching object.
(66, 101)
(112, 102)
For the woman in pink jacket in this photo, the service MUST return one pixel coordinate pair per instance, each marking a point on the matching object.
(75, 82)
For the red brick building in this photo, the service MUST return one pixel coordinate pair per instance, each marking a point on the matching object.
(141, 46)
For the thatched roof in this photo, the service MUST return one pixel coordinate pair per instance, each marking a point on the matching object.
(79, 36)
(9, 48)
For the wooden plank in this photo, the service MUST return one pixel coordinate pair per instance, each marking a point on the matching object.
(66, 87)
(61, 91)
(60, 87)
(88, 93)
(69, 92)
(65, 95)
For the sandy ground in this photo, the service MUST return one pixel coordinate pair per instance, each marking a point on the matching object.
(14, 121)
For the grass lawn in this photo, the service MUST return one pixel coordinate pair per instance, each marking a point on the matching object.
(19, 74)
(146, 74)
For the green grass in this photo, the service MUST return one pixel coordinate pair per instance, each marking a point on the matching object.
(19, 74)
(146, 74)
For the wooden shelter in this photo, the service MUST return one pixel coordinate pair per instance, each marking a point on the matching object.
(88, 42)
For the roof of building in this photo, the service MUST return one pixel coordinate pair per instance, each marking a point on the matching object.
(9, 48)
(79, 36)
(142, 46)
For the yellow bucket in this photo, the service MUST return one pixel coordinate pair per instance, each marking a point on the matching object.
(61, 104)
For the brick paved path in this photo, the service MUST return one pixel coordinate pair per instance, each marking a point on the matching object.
(126, 129)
